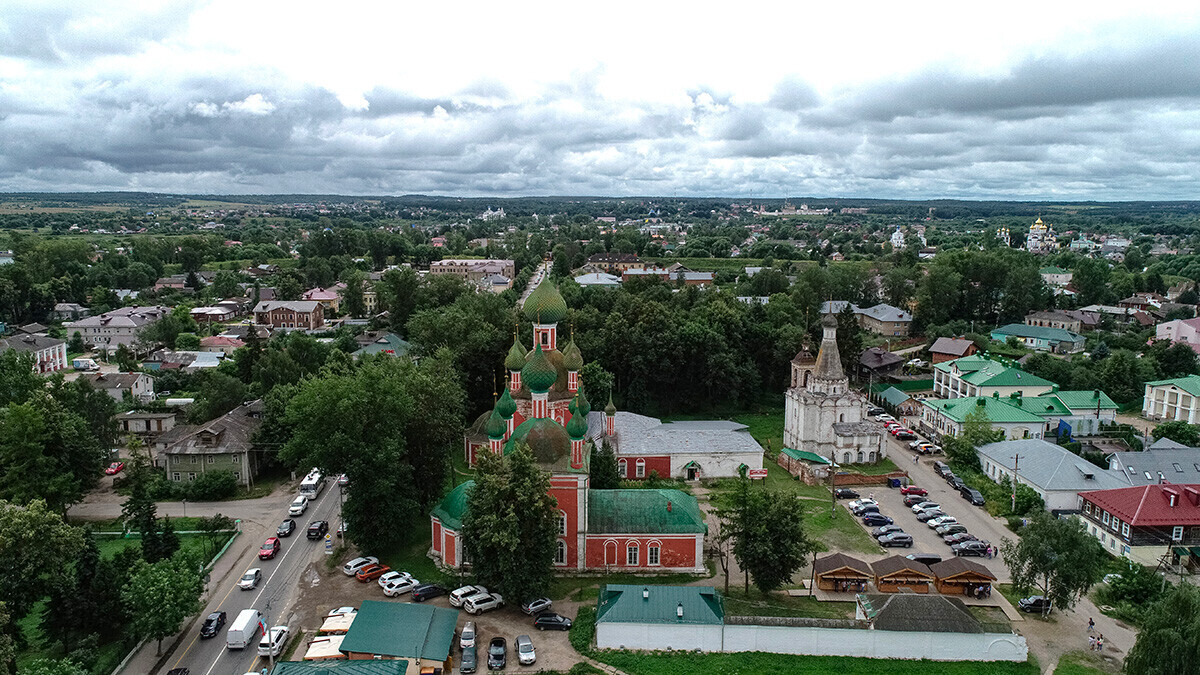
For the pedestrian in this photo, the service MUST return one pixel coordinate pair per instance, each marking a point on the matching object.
(1100, 643)
(1091, 643)
(871, 496)
(916, 459)
(1091, 625)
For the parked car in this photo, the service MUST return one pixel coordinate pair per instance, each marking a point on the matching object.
(299, 506)
(389, 577)
(885, 418)
(860, 502)
(179, 671)
(935, 523)
(885, 529)
(896, 539)
(535, 607)
(957, 483)
(468, 663)
(912, 500)
(941, 468)
(927, 505)
(250, 579)
(874, 411)
(958, 538)
(972, 495)
(400, 586)
(372, 571)
(270, 548)
(351, 568)
(477, 604)
(949, 476)
(212, 625)
(341, 531)
(876, 519)
(845, 493)
(342, 480)
(459, 594)
(114, 468)
(525, 654)
(426, 591)
(968, 548)
(466, 637)
(913, 490)
(905, 435)
(273, 640)
(286, 528)
(551, 621)
(1034, 603)
(341, 610)
(497, 654)
(952, 528)
(926, 516)
(317, 529)
(865, 509)
(925, 558)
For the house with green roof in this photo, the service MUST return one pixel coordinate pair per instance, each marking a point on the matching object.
(945, 417)
(899, 402)
(659, 617)
(1173, 399)
(979, 375)
(1041, 338)
(417, 632)
(340, 668)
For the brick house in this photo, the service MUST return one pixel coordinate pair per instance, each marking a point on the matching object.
(109, 330)
(49, 354)
(224, 444)
(306, 314)
(1145, 522)
(615, 263)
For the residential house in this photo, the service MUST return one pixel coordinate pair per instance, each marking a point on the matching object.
(420, 633)
(1146, 522)
(49, 354)
(108, 331)
(615, 263)
(688, 277)
(220, 343)
(882, 319)
(187, 361)
(377, 342)
(6, 257)
(224, 444)
(946, 417)
(947, 349)
(899, 402)
(473, 270)
(1079, 413)
(1042, 339)
(1179, 289)
(69, 311)
(1163, 462)
(1054, 320)
(879, 363)
(1186, 331)
(1173, 399)
(1142, 301)
(1056, 276)
(598, 279)
(146, 425)
(494, 283)
(138, 386)
(217, 314)
(659, 617)
(1055, 473)
(981, 376)
(303, 314)
(1087, 320)
(330, 298)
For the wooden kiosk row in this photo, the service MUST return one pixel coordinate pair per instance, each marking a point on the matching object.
(840, 573)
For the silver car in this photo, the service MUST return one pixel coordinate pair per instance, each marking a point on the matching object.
(525, 654)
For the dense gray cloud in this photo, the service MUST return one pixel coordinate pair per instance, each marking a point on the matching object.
(79, 111)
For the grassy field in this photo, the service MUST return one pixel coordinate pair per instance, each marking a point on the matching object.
(1084, 663)
(841, 532)
(881, 467)
(741, 603)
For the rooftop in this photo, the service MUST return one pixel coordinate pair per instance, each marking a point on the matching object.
(402, 629)
(1038, 333)
(1049, 466)
(624, 603)
(1188, 383)
(1150, 505)
(954, 346)
(923, 613)
(636, 511)
(1175, 465)
(639, 435)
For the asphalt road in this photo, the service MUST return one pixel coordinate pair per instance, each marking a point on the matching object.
(274, 596)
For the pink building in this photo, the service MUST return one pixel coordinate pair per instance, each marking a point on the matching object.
(1186, 331)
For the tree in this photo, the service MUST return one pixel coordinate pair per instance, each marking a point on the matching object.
(849, 337)
(227, 284)
(161, 595)
(75, 345)
(29, 537)
(511, 525)
(219, 394)
(53, 667)
(1057, 557)
(353, 302)
(125, 359)
(768, 536)
(187, 342)
(50, 448)
(1178, 431)
(8, 646)
(74, 610)
(1169, 640)
(215, 529)
(603, 470)
(17, 379)
(398, 294)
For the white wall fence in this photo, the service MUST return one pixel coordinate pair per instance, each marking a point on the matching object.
(814, 637)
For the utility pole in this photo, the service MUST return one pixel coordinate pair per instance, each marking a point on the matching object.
(1016, 466)
(832, 485)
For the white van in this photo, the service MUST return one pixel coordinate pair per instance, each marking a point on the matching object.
(243, 630)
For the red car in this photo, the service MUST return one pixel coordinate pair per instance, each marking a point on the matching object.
(114, 468)
(913, 490)
(269, 548)
(372, 571)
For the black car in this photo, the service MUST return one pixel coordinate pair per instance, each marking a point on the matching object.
(957, 483)
(876, 519)
(906, 436)
(885, 529)
(972, 495)
(286, 528)
(864, 509)
(468, 664)
(497, 654)
(896, 539)
(872, 411)
(1034, 603)
(926, 516)
(845, 493)
(178, 671)
(551, 621)
(212, 625)
(912, 500)
(426, 591)
(975, 548)
(317, 529)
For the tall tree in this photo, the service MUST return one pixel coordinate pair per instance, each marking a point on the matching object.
(1178, 431)
(31, 535)
(603, 471)
(17, 379)
(353, 302)
(511, 525)
(768, 538)
(160, 595)
(1169, 640)
(1057, 557)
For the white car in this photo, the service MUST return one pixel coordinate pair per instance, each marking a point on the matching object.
(341, 610)
(273, 641)
(466, 639)
(393, 576)
(299, 506)
(477, 604)
(861, 502)
(926, 506)
(400, 586)
(351, 568)
(250, 579)
(885, 418)
(938, 522)
(459, 594)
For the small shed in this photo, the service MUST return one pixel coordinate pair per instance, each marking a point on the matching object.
(900, 402)
(808, 466)
(959, 576)
(899, 573)
(325, 648)
(840, 573)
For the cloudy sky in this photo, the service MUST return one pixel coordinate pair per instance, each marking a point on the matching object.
(1040, 100)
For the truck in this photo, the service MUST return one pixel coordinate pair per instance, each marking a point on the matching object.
(244, 629)
(84, 364)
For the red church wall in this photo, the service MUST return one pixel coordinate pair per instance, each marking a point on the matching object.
(566, 491)
(450, 557)
(660, 464)
(676, 551)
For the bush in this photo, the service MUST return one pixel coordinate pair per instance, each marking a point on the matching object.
(212, 486)
(1016, 523)
(583, 630)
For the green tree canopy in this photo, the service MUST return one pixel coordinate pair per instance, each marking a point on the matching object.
(1056, 557)
(31, 535)
(161, 595)
(1169, 641)
(1178, 431)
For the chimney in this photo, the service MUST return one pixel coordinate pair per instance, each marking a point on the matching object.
(645, 592)
(679, 610)
(1193, 495)
(668, 506)
(1172, 497)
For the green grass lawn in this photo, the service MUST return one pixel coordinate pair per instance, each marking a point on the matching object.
(741, 603)
(111, 546)
(757, 663)
(841, 532)
(1083, 663)
(879, 468)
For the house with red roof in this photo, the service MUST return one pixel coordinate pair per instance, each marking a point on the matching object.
(1145, 522)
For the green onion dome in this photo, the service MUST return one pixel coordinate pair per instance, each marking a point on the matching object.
(577, 427)
(516, 356)
(610, 409)
(496, 426)
(572, 408)
(539, 374)
(583, 405)
(545, 305)
(572, 357)
(545, 437)
(506, 406)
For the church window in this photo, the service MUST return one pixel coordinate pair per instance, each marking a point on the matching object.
(871, 456)
(562, 522)
(842, 417)
(846, 458)
(560, 552)
(623, 468)
(652, 557)
(641, 468)
(631, 554)
(860, 455)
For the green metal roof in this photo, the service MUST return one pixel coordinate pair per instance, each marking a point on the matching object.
(998, 410)
(627, 603)
(389, 342)
(453, 506)
(402, 629)
(968, 363)
(538, 374)
(1188, 383)
(393, 667)
(1046, 405)
(1038, 333)
(545, 304)
(805, 456)
(1085, 400)
(893, 396)
(1052, 270)
(984, 372)
(639, 511)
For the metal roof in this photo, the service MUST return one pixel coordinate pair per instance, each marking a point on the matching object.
(402, 629)
(893, 396)
(625, 603)
(642, 435)
(643, 511)
(1149, 505)
(1086, 400)
(1175, 464)
(805, 455)
(1038, 332)
(1050, 467)
(917, 612)
(453, 506)
(946, 345)
(1188, 383)
(998, 410)
(341, 667)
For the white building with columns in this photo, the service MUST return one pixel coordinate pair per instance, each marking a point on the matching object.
(1174, 399)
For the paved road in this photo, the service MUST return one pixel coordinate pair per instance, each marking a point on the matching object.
(273, 597)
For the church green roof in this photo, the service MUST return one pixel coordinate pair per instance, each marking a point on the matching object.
(453, 506)
(584, 406)
(516, 355)
(539, 374)
(549, 442)
(572, 357)
(545, 305)
(643, 511)
(506, 405)
(577, 427)
(496, 425)
(610, 409)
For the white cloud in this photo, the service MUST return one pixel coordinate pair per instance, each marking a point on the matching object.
(254, 104)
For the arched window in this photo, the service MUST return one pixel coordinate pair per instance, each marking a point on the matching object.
(842, 417)
(562, 522)
(631, 554)
(560, 552)
(846, 458)
(871, 457)
(860, 455)
(623, 468)
(652, 553)
(641, 468)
